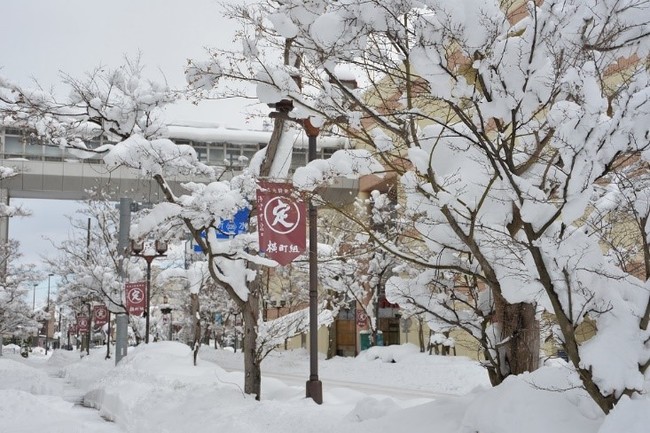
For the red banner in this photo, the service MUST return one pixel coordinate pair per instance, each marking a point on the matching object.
(82, 324)
(136, 298)
(100, 315)
(282, 224)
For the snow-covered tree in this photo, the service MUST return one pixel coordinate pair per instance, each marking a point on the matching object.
(505, 123)
(16, 315)
(125, 106)
(87, 261)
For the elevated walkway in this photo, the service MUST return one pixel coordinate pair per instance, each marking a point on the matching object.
(74, 180)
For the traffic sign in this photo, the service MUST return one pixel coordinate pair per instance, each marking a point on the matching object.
(230, 227)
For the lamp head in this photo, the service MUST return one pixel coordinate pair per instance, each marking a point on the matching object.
(161, 247)
(137, 247)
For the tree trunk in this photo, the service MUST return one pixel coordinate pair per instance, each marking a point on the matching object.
(521, 333)
(421, 335)
(252, 367)
(196, 324)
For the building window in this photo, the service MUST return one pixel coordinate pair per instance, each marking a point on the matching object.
(216, 153)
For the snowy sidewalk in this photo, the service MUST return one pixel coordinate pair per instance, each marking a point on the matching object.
(157, 389)
(35, 397)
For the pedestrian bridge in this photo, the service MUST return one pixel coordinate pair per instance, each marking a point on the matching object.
(75, 180)
(53, 173)
(46, 172)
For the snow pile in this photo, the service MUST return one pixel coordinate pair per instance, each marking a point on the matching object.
(547, 400)
(18, 376)
(389, 353)
(629, 416)
(156, 388)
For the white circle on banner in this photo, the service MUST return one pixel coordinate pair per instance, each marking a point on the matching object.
(282, 215)
(136, 295)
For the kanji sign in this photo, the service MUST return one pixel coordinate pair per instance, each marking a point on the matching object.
(82, 324)
(136, 298)
(282, 222)
(100, 315)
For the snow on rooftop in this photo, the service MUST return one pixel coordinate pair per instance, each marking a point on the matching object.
(214, 133)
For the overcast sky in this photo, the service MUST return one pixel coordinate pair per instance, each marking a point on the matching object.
(40, 39)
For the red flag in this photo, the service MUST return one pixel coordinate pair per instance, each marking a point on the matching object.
(100, 315)
(136, 298)
(282, 224)
(82, 324)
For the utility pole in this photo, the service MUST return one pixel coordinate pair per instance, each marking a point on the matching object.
(49, 315)
(121, 319)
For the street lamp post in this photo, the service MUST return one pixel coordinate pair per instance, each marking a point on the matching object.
(137, 250)
(59, 329)
(166, 309)
(314, 387)
(47, 326)
(90, 327)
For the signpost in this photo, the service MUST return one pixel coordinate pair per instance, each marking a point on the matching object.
(282, 224)
(100, 315)
(136, 298)
(83, 324)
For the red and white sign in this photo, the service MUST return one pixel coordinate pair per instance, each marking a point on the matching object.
(282, 224)
(82, 324)
(136, 298)
(362, 317)
(100, 315)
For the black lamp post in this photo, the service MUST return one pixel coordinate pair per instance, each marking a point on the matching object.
(137, 250)
(314, 387)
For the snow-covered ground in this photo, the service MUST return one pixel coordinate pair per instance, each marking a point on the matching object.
(157, 389)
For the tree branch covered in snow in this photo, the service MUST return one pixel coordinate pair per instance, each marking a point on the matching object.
(504, 129)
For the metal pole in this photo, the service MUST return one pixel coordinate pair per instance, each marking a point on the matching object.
(47, 326)
(171, 325)
(146, 330)
(122, 320)
(59, 329)
(314, 387)
(108, 338)
(88, 334)
(34, 299)
(235, 331)
(121, 329)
